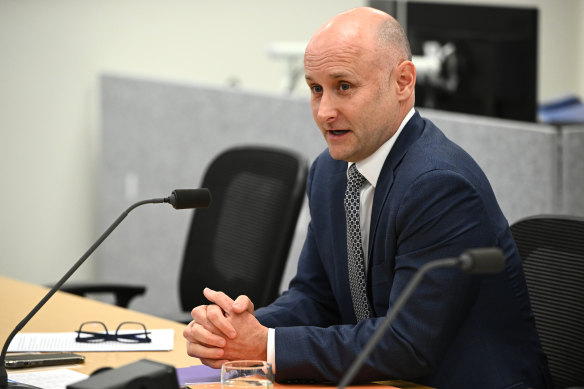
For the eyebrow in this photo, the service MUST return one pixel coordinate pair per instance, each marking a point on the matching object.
(339, 75)
(332, 75)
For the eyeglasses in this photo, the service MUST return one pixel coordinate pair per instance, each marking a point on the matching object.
(127, 332)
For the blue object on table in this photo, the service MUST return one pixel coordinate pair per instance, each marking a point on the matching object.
(197, 374)
(563, 110)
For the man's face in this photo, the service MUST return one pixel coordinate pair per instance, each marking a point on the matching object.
(353, 97)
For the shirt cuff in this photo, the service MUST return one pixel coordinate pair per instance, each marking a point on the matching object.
(272, 348)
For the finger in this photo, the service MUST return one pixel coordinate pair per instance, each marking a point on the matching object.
(187, 330)
(214, 363)
(212, 318)
(219, 298)
(218, 323)
(199, 334)
(242, 304)
(199, 313)
(201, 351)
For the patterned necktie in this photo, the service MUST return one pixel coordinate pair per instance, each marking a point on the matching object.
(355, 256)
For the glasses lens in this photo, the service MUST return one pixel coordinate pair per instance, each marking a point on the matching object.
(92, 332)
(132, 332)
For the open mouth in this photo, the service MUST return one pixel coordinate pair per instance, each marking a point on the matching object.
(338, 132)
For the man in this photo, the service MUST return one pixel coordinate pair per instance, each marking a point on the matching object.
(423, 199)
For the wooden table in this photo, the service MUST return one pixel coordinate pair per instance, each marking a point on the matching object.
(64, 312)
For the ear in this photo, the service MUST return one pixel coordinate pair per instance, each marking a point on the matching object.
(405, 80)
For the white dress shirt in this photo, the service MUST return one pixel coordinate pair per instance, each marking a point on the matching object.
(370, 168)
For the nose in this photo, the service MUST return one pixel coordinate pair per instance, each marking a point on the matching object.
(327, 110)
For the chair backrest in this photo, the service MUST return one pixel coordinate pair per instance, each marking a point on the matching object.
(552, 252)
(240, 244)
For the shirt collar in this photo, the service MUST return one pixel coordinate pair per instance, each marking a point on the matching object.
(371, 166)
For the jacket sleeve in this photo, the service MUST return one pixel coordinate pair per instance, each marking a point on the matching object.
(308, 300)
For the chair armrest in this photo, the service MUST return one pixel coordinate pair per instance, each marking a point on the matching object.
(123, 293)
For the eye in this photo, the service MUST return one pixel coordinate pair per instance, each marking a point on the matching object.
(344, 86)
(316, 88)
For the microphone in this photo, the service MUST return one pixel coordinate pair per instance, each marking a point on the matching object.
(486, 260)
(179, 199)
(190, 198)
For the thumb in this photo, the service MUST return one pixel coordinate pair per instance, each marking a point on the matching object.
(242, 304)
(219, 298)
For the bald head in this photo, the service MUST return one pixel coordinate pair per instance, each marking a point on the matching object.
(392, 36)
(366, 29)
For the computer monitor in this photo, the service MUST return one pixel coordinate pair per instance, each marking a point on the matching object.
(495, 56)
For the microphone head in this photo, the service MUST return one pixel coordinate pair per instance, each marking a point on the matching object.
(190, 198)
(487, 260)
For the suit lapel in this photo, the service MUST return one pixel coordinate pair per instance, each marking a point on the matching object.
(337, 182)
(411, 132)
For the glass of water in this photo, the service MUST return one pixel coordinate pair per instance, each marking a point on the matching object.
(251, 374)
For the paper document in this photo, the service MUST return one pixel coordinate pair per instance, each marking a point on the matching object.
(50, 379)
(162, 340)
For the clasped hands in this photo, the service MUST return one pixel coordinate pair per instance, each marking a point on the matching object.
(224, 331)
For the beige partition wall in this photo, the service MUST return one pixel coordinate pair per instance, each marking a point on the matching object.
(571, 146)
(159, 135)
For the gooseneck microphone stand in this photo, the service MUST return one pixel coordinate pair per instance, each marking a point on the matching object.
(475, 261)
(180, 199)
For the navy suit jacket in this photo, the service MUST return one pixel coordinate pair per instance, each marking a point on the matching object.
(432, 201)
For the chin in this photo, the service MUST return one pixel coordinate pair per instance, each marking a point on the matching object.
(340, 156)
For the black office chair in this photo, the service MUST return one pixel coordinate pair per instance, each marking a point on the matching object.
(552, 252)
(240, 244)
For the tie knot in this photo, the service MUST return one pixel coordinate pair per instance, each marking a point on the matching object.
(356, 179)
